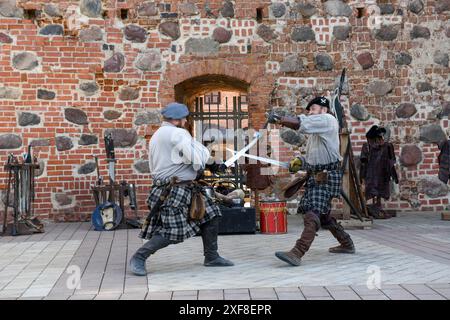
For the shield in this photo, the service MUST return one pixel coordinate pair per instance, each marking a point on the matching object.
(106, 216)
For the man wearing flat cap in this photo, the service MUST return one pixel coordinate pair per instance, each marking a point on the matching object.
(324, 177)
(175, 158)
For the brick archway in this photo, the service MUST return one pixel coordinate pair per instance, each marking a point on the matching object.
(237, 74)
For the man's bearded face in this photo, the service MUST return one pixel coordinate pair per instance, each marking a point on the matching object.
(317, 109)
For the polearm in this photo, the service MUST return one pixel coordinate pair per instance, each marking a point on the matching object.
(338, 111)
(8, 190)
(111, 159)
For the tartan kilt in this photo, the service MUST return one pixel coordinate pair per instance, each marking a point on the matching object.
(318, 196)
(172, 219)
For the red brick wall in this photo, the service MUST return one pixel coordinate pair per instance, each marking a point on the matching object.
(68, 60)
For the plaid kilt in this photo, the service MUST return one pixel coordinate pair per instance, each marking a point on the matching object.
(172, 220)
(318, 196)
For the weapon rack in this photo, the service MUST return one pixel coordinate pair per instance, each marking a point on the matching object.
(21, 183)
(112, 193)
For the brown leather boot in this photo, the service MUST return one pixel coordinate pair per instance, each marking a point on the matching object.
(346, 243)
(311, 226)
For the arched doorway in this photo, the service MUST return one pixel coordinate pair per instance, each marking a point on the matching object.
(219, 116)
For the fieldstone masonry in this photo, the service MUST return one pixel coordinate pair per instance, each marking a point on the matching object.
(79, 69)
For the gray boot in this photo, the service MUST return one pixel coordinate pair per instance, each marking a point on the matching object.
(210, 230)
(137, 262)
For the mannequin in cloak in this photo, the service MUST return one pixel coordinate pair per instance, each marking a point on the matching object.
(377, 170)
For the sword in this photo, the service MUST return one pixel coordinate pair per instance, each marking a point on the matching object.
(240, 153)
(266, 160)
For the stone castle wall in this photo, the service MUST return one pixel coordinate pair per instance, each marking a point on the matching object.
(72, 70)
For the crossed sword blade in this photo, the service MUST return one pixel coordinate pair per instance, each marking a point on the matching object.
(266, 160)
(240, 153)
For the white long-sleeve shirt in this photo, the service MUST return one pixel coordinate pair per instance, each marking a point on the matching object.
(323, 141)
(174, 152)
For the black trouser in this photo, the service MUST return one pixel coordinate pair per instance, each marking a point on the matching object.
(209, 233)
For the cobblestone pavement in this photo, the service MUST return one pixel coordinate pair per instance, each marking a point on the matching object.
(407, 257)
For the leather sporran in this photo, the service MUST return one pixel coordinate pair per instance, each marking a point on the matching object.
(294, 186)
(197, 209)
(321, 177)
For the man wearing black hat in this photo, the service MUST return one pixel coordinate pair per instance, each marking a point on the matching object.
(175, 159)
(322, 163)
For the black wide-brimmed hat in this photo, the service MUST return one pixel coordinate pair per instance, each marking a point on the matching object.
(375, 132)
(321, 101)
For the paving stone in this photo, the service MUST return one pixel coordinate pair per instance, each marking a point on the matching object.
(210, 295)
(398, 294)
(429, 297)
(374, 297)
(263, 293)
(237, 296)
(313, 291)
(82, 297)
(159, 295)
(443, 292)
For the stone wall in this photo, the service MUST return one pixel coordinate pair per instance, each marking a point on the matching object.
(70, 70)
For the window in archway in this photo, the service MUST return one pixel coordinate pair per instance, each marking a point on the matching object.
(221, 117)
